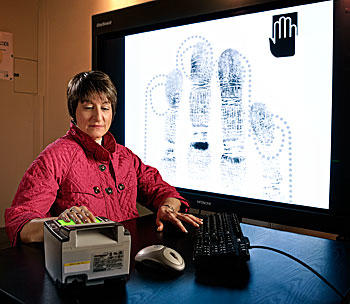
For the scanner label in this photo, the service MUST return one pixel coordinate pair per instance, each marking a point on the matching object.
(108, 261)
(76, 266)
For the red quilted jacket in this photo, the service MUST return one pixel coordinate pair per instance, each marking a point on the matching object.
(75, 170)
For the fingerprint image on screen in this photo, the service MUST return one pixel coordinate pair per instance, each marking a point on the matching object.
(220, 106)
(231, 75)
(198, 52)
(272, 137)
(166, 90)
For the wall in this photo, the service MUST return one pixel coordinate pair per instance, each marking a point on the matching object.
(52, 42)
(18, 98)
(68, 41)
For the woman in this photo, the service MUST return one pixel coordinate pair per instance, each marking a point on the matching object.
(86, 173)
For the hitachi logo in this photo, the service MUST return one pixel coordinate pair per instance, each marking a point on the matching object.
(105, 23)
(204, 203)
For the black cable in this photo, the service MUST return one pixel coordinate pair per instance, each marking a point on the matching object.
(302, 263)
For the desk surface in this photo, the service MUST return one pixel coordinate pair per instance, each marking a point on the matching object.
(273, 278)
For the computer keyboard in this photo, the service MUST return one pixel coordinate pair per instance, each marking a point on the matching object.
(220, 241)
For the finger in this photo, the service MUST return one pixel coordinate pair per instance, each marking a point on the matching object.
(169, 216)
(91, 218)
(173, 219)
(277, 32)
(160, 226)
(80, 214)
(282, 29)
(287, 29)
(73, 215)
(180, 225)
(83, 218)
(196, 219)
(64, 216)
(190, 218)
(73, 209)
(159, 223)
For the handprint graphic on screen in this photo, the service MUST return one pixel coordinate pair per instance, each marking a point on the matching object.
(252, 143)
(284, 32)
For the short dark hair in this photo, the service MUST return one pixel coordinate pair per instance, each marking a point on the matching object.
(85, 84)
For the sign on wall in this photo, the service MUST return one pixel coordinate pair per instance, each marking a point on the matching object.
(6, 56)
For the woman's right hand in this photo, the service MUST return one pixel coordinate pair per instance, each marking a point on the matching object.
(78, 214)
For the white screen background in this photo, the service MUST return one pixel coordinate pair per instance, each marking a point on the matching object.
(285, 157)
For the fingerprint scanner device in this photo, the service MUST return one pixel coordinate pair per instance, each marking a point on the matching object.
(86, 253)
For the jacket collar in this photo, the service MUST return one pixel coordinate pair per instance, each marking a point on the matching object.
(101, 152)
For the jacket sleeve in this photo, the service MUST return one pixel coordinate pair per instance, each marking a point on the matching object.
(152, 189)
(35, 195)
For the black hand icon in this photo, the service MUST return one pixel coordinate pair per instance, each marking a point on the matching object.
(282, 43)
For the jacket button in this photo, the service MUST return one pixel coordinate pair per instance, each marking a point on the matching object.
(97, 190)
(102, 167)
(121, 187)
(109, 190)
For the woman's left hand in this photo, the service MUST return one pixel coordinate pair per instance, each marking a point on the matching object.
(169, 211)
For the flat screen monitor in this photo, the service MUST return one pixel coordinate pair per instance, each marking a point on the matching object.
(235, 106)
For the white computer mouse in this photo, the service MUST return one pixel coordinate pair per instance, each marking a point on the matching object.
(160, 258)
